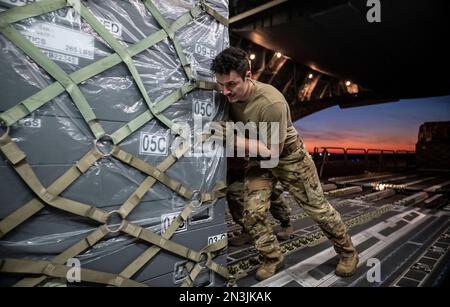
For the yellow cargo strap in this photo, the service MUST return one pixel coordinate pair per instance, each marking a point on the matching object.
(24, 170)
(195, 269)
(102, 231)
(124, 211)
(146, 256)
(18, 160)
(33, 206)
(73, 251)
(59, 270)
(150, 170)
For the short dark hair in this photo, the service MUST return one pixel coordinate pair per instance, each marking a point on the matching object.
(230, 59)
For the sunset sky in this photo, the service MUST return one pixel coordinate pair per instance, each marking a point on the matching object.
(383, 126)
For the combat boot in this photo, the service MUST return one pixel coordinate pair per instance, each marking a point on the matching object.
(269, 267)
(242, 239)
(347, 265)
(348, 255)
(285, 233)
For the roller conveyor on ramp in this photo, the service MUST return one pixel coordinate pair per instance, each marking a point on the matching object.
(402, 236)
(394, 243)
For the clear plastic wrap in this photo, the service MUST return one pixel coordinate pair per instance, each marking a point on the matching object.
(55, 136)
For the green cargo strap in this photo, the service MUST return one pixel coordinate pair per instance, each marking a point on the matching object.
(150, 237)
(145, 186)
(166, 27)
(207, 85)
(30, 104)
(159, 107)
(150, 170)
(71, 252)
(173, 97)
(186, 18)
(209, 10)
(19, 13)
(57, 187)
(50, 269)
(146, 256)
(56, 72)
(118, 48)
(37, 100)
(177, 128)
(120, 134)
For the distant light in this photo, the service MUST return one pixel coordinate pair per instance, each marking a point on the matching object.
(278, 54)
(348, 83)
(252, 56)
(380, 187)
(310, 76)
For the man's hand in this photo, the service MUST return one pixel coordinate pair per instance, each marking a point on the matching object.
(218, 131)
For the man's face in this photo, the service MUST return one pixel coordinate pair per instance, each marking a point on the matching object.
(233, 86)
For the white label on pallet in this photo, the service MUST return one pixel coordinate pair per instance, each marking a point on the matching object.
(205, 51)
(113, 27)
(60, 39)
(216, 238)
(61, 57)
(167, 219)
(29, 122)
(203, 108)
(153, 144)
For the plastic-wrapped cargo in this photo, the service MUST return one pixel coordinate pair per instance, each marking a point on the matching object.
(433, 146)
(105, 160)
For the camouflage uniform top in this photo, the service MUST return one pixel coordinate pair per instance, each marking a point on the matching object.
(266, 104)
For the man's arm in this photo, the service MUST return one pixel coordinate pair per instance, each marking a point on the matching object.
(256, 147)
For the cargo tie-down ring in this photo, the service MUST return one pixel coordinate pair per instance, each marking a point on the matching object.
(108, 219)
(103, 143)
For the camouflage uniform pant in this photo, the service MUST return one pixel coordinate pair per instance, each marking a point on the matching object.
(279, 209)
(298, 174)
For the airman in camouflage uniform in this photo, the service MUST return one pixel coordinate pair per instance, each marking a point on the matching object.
(255, 102)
